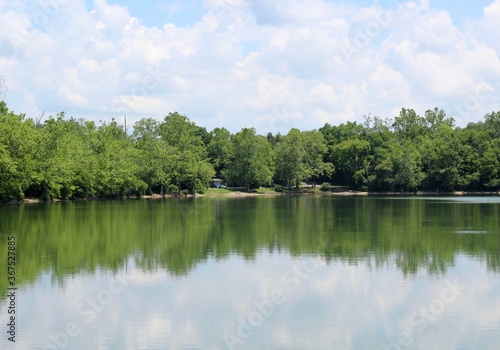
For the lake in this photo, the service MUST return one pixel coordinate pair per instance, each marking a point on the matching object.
(287, 272)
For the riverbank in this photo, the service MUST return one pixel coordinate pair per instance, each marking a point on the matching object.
(242, 194)
(434, 193)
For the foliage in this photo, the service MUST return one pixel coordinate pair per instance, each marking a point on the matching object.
(66, 158)
(299, 157)
(326, 187)
(17, 146)
(252, 162)
(188, 161)
(219, 149)
(279, 188)
(352, 158)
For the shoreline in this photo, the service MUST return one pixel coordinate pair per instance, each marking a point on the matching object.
(239, 194)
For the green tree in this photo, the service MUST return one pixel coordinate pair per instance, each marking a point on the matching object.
(56, 158)
(336, 134)
(435, 118)
(86, 164)
(492, 124)
(219, 149)
(118, 159)
(408, 124)
(315, 152)
(351, 158)
(189, 160)
(398, 167)
(155, 155)
(68, 158)
(299, 157)
(490, 166)
(17, 144)
(252, 162)
(441, 159)
(290, 155)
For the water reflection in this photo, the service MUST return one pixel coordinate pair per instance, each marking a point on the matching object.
(412, 234)
(256, 273)
(222, 305)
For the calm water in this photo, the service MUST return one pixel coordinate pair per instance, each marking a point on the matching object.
(255, 273)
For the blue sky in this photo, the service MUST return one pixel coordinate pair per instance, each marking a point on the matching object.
(157, 13)
(272, 65)
(188, 12)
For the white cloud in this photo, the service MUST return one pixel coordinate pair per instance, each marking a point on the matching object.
(272, 66)
(484, 30)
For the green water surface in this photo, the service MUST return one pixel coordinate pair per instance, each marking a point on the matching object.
(309, 272)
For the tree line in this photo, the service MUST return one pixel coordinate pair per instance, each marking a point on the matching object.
(68, 158)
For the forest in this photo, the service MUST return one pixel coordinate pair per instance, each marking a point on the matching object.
(66, 158)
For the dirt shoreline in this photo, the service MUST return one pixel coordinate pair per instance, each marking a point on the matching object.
(239, 194)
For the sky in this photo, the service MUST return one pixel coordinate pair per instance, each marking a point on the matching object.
(271, 65)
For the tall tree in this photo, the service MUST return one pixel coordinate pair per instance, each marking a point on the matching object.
(299, 157)
(490, 165)
(17, 144)
(408, 124)
(189, 161)
(155, 155)
(492, 124)
(315, 152)
(56, 158)
(441, 160)
(252, 162)
(290, 155)
(435, 118)
(406, 169)
(219, 149)
(352, 158)
(119, 167)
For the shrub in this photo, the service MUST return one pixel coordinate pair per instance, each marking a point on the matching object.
(279, 188)
(326, 187)
(172, 189)
(201, 187)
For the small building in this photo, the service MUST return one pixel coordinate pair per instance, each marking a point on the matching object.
(216, 183)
